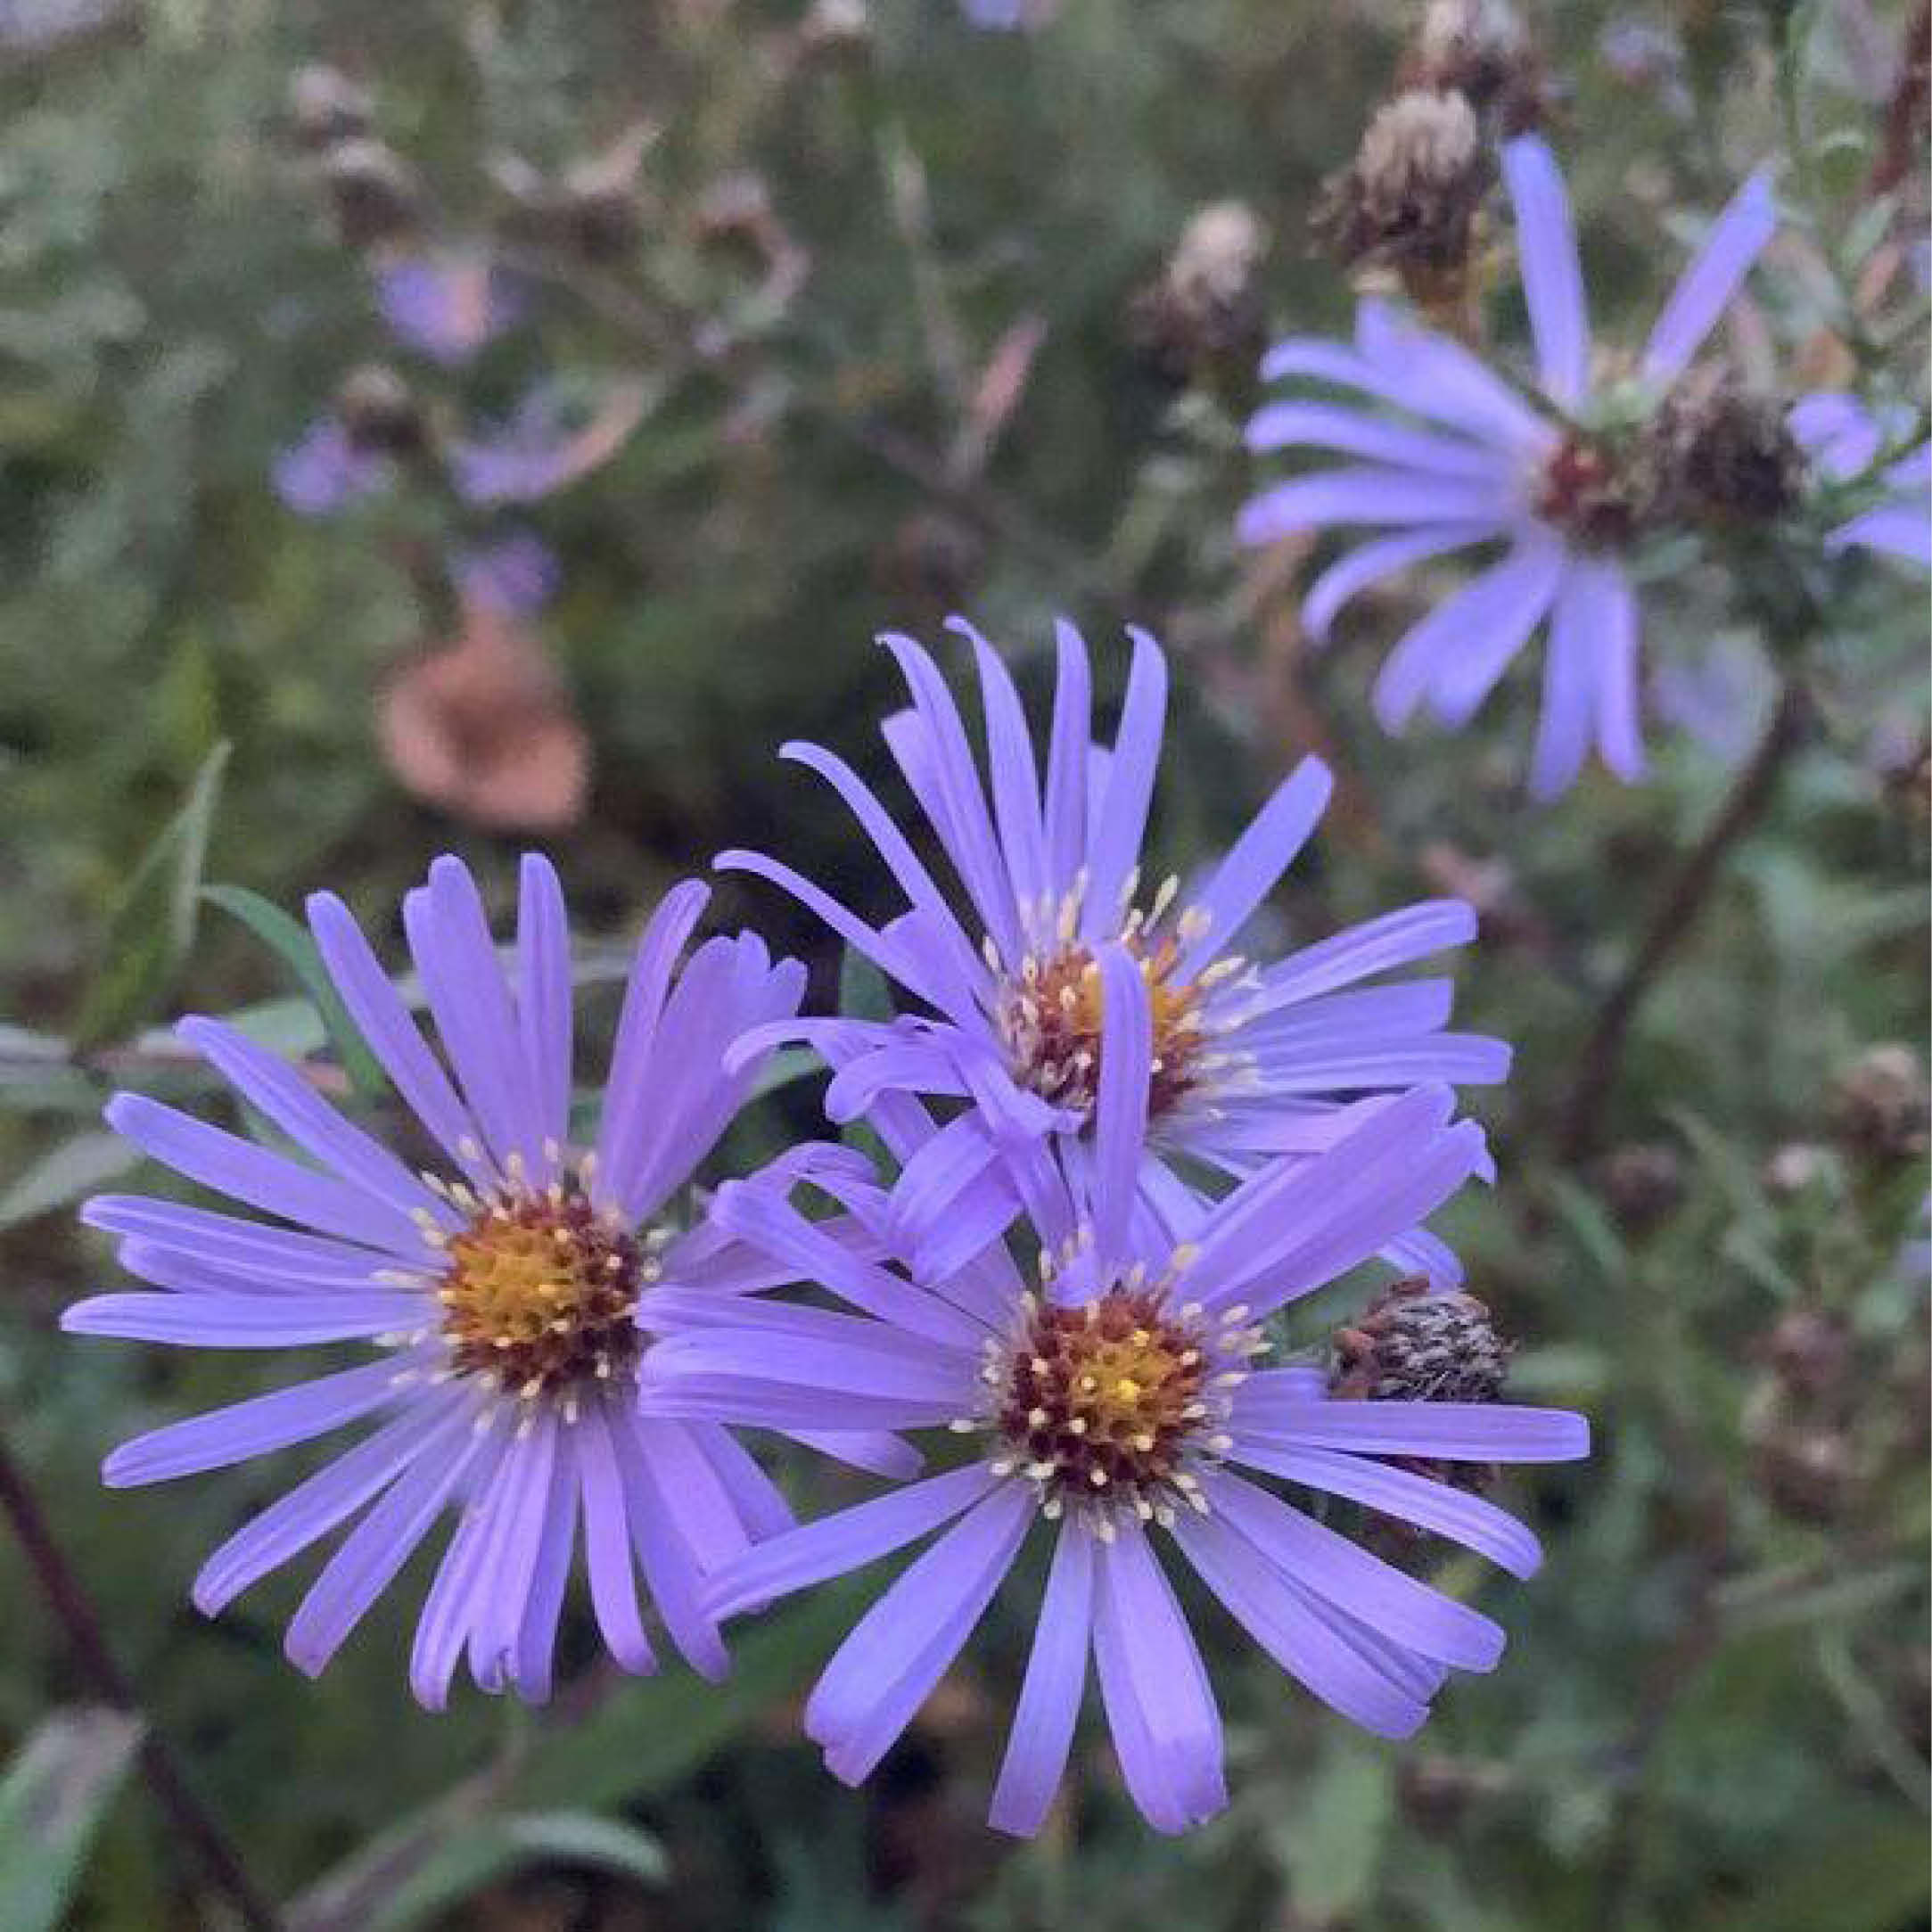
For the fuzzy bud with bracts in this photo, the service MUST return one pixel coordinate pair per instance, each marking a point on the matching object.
(1201, 321)
(1480, 49)
(1723, 454)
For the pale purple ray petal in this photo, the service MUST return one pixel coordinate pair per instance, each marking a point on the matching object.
(607, 1559)
(384, 1022)
(278, 1186)
(1453, 1059)
(845, 1540)
(1388, 1600)
(1423, 1500)
(755, 1500)
(470, 1000)
(1482, 625)
(1611, 606)
(1274, 837)
(1903, 530)
(912, 1063)
(1453, 1432)
(536, 1641)
(457, 1593)
(1120, 1102)
(667, 1565)
(1377, 498)
(939, 764)
(543, 1005)
(1272, 1612)
(1043, 1721)
(1552, 272)
(1161, 1713)
(874, 1450)
(240, 1430)
(1120, 821)
(1395, 939)
(370, 1557)
(1836, 431)
(629, 1102)
(195, 1271)
(508, 1563)
(1367, 1013)
(895, 1653)
(698, 1505)
(1015, 777)
(760, 1334)
(245, 1321)
(1567, 725)
(964, 969)
(1316, 426)
(1443, 380)
(1737, 237)
(242, 1247)
(1066, 760)
(768, 1359)
(1382, 556)
(315, 1507)
(282, 1095)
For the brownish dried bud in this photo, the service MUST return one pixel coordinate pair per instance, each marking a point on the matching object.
(1437, 1793)
(1480, 49)
(1415, 1346)
(326, 107)
(1723, 454)
(933, 562)
(1810, 1352)
(374, 192)
(1880, 1105)
(378, 412)
(1409, 199)
(1795, 1166)
(1203, 319)
(1805, 1473)
(836, 28)
(1642, 1183)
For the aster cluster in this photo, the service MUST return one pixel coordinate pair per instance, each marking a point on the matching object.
(1114, 1148)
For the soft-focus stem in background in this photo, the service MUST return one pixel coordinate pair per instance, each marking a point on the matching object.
(68, 1599)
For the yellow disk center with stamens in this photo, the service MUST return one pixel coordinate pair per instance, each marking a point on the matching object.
(540, 1292)
(1050, 1019)
(1103, 1396)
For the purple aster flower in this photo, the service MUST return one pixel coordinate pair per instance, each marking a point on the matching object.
(515, 576)
(495, 1305)
(1476, 465)
(1844, 439)
(1007, 16)
(1118, 1401)
(326, 471)
(1252, 1061)
(447, 307)
(544, 446)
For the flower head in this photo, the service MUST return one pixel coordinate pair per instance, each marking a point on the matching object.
(496, 1298)
(1562, 486)
(449, 305)
(1250, 1060)
(1117, 1396)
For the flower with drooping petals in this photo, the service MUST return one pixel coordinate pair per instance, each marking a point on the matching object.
(1251, 1061)
(1562, 485)
(496, 1301)
(1118, 1401)
(1845, 440)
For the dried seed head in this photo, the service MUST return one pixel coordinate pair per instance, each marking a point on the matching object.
(1409, 199)
(326, 107)
(1805, 1473)
(1482, 50)
(379, 413)
(1723, 454)
(1202, 319)
(1415, 1346)
(1880, 1104)
(1810, 1352)
(374, 192)
(1643, 1184)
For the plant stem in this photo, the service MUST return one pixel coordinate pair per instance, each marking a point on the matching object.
(68, 1599)
(1683, 898)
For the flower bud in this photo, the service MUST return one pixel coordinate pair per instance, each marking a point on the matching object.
(1642, 1183)
(1724, 453)
(1409, 200)
(1880, 1105)
(379, 414)
(1805, 1473)
(1810, 1352)
(1415, 1346)
(1202, 320)
(1479, 49)
(326, 107)
(373, 190)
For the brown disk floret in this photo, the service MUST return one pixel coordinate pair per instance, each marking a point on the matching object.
(540, 1293)
(1050, 1018)
(1104, 1397)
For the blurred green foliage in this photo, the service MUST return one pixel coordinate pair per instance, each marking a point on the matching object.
(1713, 1713)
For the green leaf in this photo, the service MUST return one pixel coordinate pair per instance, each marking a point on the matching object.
(1867, 1874)
(787, 1064)
(52, 1802)
(291, 943)
(153, 926)
(495, 1848)
(864, 993)
(1333, 1845)
(75, 1168)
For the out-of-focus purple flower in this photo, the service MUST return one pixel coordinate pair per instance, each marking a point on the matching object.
(447, 307)
(1114, 1399)
(515, 576)
(1253, 1062)
(326, 471)
(1474, 463)
(1007, 16)
(1720, 697)
(544, 446)
(1844, 440)
(1643, 53)
(497, 1302)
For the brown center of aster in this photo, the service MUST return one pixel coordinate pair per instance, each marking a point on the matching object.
(1595, 489)
(1049, 1017)
(1098, 1402)
(540, 1291)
